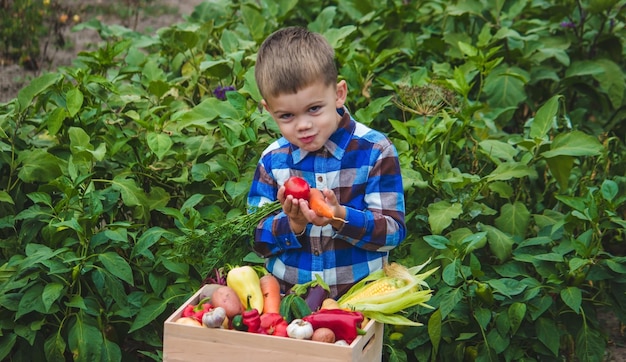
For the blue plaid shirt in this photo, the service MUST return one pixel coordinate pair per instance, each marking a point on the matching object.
(361, 166)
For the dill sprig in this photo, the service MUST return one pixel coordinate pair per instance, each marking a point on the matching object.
(223, 242)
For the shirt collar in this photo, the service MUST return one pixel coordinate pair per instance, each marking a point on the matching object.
(338, 141)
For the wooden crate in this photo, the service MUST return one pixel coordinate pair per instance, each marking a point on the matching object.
(190, 343)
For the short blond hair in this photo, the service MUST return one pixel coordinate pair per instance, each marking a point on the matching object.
(291, 59)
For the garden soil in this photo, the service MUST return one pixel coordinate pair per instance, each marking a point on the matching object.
(158, 14)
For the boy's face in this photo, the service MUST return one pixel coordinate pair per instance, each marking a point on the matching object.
(309, 117)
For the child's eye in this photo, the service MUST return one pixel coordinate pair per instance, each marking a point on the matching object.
(285, 116)
(315, 109)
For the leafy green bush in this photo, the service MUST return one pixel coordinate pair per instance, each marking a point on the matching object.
(508, 125)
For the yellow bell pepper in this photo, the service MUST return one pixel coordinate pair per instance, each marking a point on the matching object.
(245, 281)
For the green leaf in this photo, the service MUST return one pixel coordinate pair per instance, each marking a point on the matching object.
(7, 341)
(159, 143)
(605, 72)
(51, 292)
(449, 299)
(54, 347)
(254, 21)
(516, 314)
(590, 344)
(582, 68)
(441, 214)
(5, 197)
(507, 286)
(367, 114)
(514, 219)
(40, 198)
(117, 266)
(497, 150)
(218, 68)
(577, 263)
(76, 301)
(434, 330)
(450, 273)
(609, 190)
(575, 143)
(482, 316)
(561, 169)
(31, 301)
(37, 253)
(572, 296)
(148, 313)
(36, 87)
(615, 266)
(74, 101)
(324, 20)
(545, 118)
(545, 330)
(504, 87)
(131, 193)
(38, 166)
(437, 241)
(84, 340)
(500, 244)
(55, 120)
(498, 341)
(336, 36)
(146, 240)
(111, 351)
(467, 49)
(612, 84)
(506, 171)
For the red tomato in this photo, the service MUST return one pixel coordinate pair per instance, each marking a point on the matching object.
(297, 187)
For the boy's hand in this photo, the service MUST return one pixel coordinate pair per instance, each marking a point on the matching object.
(300, 214)
(338, 210)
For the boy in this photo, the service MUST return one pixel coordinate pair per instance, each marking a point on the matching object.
(356, 167)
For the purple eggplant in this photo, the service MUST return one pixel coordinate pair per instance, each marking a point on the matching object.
(313, 292)
(315, 296)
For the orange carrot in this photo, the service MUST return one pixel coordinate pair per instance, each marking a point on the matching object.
(318, 204)
(271, 294)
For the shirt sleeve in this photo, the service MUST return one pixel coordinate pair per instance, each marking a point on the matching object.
(273, 235)
(380, 226)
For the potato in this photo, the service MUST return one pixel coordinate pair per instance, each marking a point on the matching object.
(207, 290)
(323, 335)
(227, 298)
(188, 321)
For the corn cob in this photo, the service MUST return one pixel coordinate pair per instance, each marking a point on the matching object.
(386, 292)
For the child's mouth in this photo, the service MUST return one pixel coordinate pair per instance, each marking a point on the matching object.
(307, 140)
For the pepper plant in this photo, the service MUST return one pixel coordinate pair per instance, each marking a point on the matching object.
(507, 120)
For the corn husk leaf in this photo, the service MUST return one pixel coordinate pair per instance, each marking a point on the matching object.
(394, 319)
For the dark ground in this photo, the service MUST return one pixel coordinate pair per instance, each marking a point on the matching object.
(164, 13)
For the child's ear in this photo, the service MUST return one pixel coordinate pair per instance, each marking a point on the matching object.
(342, 94)
(264, 104)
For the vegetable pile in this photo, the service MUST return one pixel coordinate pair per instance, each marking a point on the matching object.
(251, 303)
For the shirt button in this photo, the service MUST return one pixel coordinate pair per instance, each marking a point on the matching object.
(320, 178)
(316, 253)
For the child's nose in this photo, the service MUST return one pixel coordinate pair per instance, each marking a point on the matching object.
(304, 123)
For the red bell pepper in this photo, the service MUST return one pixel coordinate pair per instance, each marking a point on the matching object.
(197, 311)
(274, 324)
(344, 323)
(251, 319)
